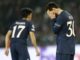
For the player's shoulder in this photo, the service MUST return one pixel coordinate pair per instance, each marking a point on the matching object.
(68, 15)
(29, 23)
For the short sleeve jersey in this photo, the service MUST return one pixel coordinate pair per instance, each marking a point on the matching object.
(20, 31)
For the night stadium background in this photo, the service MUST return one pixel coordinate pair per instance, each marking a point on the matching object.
(9, 12)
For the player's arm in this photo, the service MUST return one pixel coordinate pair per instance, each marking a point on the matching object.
(33, 40)
(56, 28)
(58, 24)
(7, 39)
(7, 42)
(32, 36)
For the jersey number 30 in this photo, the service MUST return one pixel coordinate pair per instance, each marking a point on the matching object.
(70, 28)
(20, 27)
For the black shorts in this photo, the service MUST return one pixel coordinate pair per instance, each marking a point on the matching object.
(60, 56)
(19, 52)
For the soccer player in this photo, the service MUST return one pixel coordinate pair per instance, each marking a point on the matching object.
(62, 24)
(17, 35)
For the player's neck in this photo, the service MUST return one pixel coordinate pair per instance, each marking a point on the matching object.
(59, 11)
(27, 19)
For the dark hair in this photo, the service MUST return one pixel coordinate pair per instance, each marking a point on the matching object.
(51, 5)
(25, 12)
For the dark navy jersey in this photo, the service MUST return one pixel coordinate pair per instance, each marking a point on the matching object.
(20, 31)
(63, 27)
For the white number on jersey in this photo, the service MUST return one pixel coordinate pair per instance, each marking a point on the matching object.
(20, 27)
(70, 28)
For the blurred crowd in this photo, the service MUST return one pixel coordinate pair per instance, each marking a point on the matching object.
(9, 12)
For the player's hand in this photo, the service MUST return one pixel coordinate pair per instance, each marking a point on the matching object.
(37, 52)
(6, 52)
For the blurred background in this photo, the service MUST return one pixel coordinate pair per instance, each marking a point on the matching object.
(9, 13)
